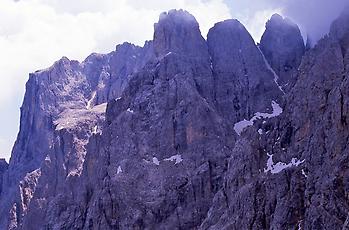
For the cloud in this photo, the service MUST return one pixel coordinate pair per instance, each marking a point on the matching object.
(35, 33)
(313, 16)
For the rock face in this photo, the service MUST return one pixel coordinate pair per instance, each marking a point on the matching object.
(63, 106)
(3, 168)
(292, 171)
(283, 47)
(243, 82)
(185, 133)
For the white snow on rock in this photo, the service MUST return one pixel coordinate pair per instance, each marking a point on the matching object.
(94, 130)
(276, 77)
(116, 99)
(89, 103)
(169, 53)
(260, 131)
(119, 170)
(156, 161)
(162, 57)
(176, 158)
(304, 174)
(241, 125)
(130, 110)
(279, 166)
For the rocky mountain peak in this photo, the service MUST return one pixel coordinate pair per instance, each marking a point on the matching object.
(283, 47)
(283, 23)
(340, 30)
(228, 43)
(186, 134)
(178, 32)
(239, 68)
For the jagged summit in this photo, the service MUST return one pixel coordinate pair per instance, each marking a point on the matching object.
(278, 20)
(178, 31)
(239, 68)
(184, 133)
(229, 24)
(283, 47)
(180, 16)
(339, 29)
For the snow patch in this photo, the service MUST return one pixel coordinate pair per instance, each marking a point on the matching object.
(156, 161)
(119, 170)
(89, 103)
(176, 158)
(94, 130)
(279, 166)
(116, 99)
(241, 125)
(169, 53)
(130, 110)
(304, 174)
(260, 131)
(276, 77)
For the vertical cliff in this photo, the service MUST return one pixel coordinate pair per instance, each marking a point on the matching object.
(185, 133)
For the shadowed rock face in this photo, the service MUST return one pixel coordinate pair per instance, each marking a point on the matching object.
(243, 83)
(185, 133)
(178, 32)
(283, 47)
(3, 168)
(292, 171)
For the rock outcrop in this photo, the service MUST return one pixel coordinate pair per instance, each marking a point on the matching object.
(63, 106)
(291, 172)
(283, 47)
(243, 82)
(185, 133)
(3, 168)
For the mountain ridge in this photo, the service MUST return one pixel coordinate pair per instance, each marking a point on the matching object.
(146, 138)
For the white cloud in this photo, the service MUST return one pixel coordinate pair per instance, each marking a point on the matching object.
(35, 33)
(255, 24)
(313, 16)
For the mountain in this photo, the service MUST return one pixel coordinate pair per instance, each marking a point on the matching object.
(283, 47)
(187, 133)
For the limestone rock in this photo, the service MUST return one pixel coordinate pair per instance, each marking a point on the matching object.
(283, 47)
(3, 168)
(185, 133)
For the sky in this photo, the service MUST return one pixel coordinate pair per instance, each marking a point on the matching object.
(35, 33)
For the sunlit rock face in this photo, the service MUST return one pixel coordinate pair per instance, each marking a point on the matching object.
(63, 107)
(185, 133)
